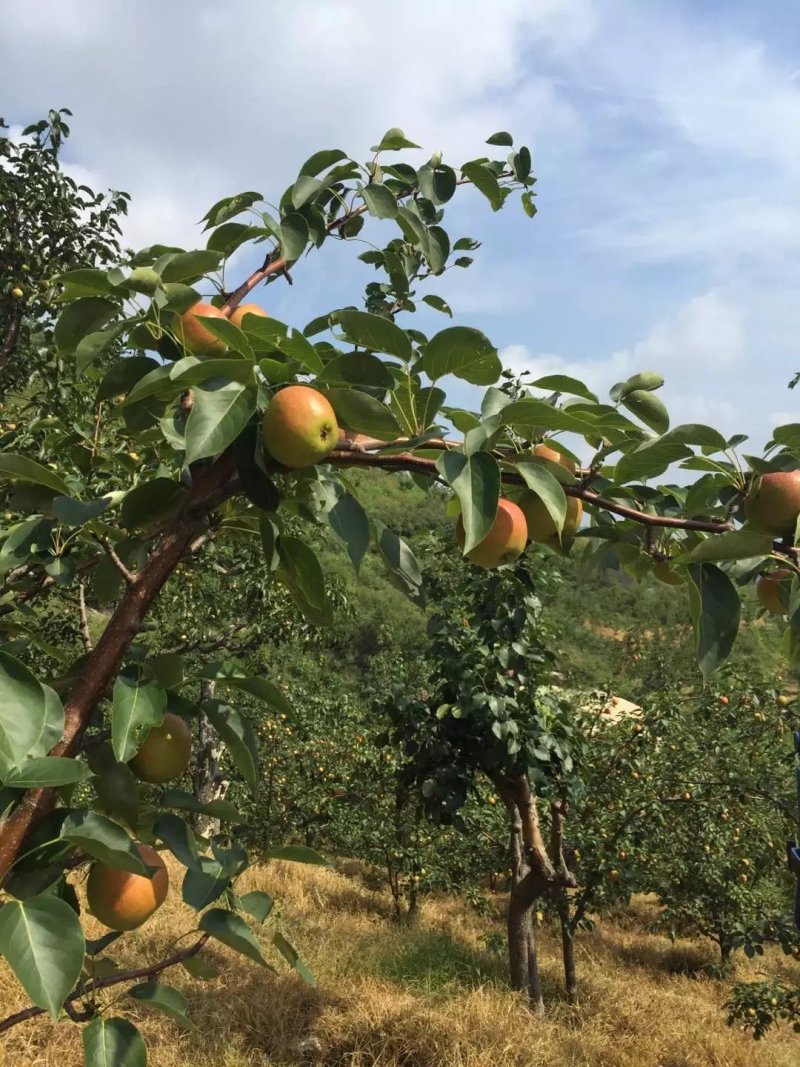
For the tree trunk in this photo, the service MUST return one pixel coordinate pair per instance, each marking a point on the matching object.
(567, 947)
(209, 783)
(522, 959)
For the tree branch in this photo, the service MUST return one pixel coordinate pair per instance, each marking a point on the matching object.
(129, 577)
(407, 461)
(212, 485)
(104, 983)
(84, 621)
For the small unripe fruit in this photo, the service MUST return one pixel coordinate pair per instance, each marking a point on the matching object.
(724, 700)
(299, 427)
(122, 900)
(785, 700)
(742, 878)
(17, 293)
(7, 516)
(613, 874)
(165, 753)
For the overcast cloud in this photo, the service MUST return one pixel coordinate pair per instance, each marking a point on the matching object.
(666, 140)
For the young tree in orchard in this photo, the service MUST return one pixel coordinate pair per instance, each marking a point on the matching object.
(215, 421)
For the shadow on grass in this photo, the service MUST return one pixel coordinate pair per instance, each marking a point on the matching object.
(687, 960)
(433, 961)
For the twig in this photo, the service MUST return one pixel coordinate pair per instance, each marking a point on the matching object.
(104, 983)
(86, 637)
(129, 576)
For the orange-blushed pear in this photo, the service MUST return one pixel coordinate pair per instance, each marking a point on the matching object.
(505, 540)
(299, 427)
(165, 753)
(122, 900)
(191, 333)
(541, 527)
(773, 503)
(546, 452)
(238, 314)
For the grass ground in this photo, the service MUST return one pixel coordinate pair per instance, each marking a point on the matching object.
(432, 995)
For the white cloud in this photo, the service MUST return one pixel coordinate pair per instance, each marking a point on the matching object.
(695, 349)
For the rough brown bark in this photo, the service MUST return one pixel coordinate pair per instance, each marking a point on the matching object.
(567, 946)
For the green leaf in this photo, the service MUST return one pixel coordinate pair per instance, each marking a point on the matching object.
(28, 470)
(294, 236)
(437, 183)
(216, 809)
(379, 200)
(349, 521)
(237, 732)
(103, 839)
(401, 563)
(228, 237)
(200, 968)
(23, 711)
(86, 281)
(436, 302)
(136, 705)
(650, 409)
(546, 486)
(232, 931)
(322, 160)
(485, 182)
(76, 512)
(305, 189)
(47, 771)
(357, 368)
(26, 539)
(536, 415)
(476, 481)
(364, 414)
(464, 352)
(151, 502)
(257, 904)
(563, 383)
(375, 333)
(79, 318)
(296, 854)
(256, 484)
(177, 835)
(716, 609)
(42, 941)
(291, 343)
(301, 573)
(697, 434)
(220, 412)
(650, 459)
(738, 544)
(95, 343)
(165, 998)
(647, 380)
(109, 1041)
(229, 207)
(393, 140)
(203, 885)
(292, 957)
(501, 138)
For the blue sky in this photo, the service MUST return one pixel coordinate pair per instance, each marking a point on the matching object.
(666, 141)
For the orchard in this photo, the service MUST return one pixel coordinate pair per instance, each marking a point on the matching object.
(163, 431)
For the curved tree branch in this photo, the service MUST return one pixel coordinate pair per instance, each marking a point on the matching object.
(104, 983)
(212, 485)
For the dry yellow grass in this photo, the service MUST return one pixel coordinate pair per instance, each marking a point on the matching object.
(428, 996)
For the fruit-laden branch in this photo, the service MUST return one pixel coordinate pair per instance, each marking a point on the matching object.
(212, 485)
(150, 972)
(406, 461)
